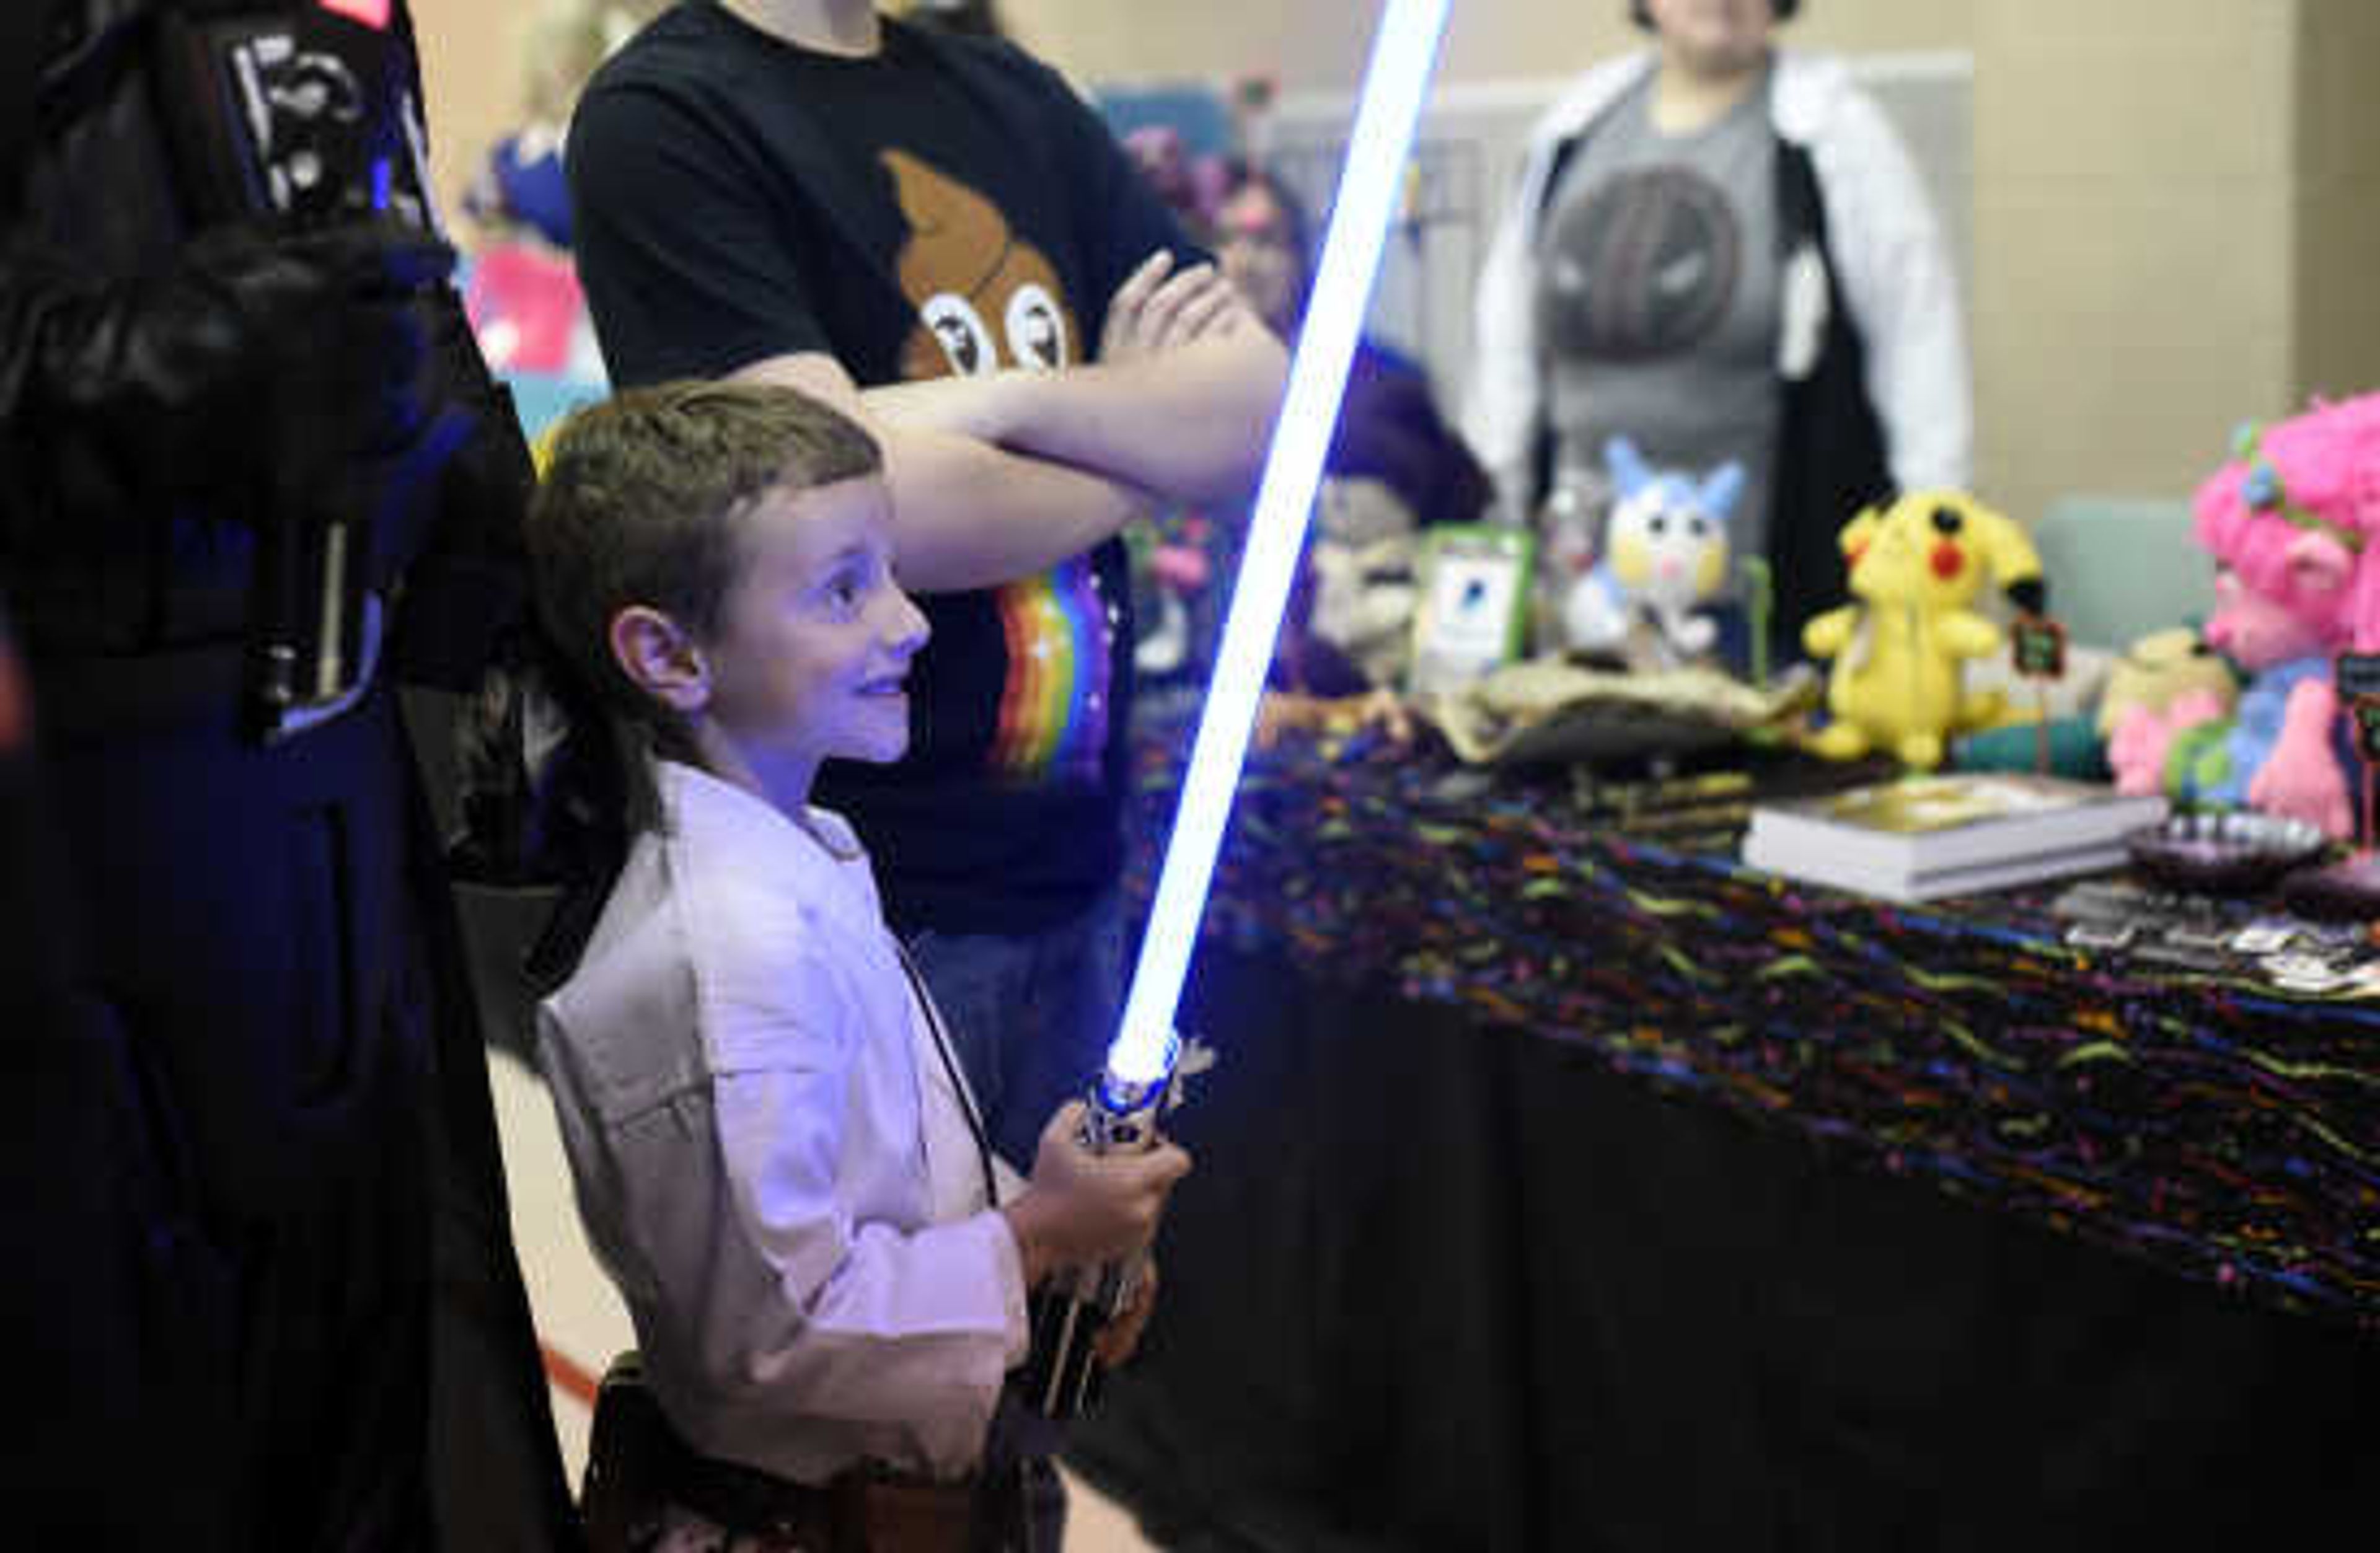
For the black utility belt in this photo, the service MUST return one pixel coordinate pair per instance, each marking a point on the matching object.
(169, 693)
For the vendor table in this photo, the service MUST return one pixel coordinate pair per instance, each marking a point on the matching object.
(1568, 1185)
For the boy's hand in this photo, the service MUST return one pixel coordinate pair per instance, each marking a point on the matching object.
(1154, 311)
(1157, 309)
(1081, 1207)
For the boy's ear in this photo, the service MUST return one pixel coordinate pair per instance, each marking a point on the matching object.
(660, 658)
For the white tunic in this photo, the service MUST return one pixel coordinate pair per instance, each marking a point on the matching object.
(771, 1160)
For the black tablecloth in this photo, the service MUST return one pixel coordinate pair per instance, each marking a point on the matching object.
(1538, 1207)
(1441, 1283)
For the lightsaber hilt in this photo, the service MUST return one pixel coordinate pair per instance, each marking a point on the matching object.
(316, 620)
(1069, 1313)
(299, 681)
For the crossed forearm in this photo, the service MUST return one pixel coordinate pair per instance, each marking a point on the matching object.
(967, 514)
(1190, 425)
(1001, 477)
(972, 515)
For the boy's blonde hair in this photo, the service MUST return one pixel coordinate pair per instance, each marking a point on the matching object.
(639, 504)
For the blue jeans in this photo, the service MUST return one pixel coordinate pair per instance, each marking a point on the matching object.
(1031, 1015)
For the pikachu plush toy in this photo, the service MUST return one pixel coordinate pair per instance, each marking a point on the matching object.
(1900, 647)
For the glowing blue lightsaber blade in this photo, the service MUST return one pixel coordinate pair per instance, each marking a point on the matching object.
(1403, 56)
(1140, 1064)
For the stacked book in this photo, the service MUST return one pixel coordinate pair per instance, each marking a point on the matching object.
(1922, 837)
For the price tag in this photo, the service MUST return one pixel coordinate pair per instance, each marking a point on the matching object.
(2356, 674)
(2037, 651)
(2365, 709)
(2038, 647)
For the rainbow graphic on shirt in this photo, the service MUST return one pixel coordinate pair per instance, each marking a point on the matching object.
(1053, 711)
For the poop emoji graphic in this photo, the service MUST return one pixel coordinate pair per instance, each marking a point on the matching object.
(985, 300)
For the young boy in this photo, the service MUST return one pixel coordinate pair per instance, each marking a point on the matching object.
(937, 235)
(776, 1156)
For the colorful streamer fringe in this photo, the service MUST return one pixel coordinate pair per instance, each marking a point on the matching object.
(2218, 1129)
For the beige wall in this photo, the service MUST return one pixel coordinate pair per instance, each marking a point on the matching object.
(472, 79)
(2337, 214)
(1316, 44)
(2134, 293)
(2177, 221)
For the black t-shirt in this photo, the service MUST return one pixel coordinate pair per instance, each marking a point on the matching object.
(946, 205)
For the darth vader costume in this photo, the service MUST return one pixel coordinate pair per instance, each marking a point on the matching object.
(253, 476)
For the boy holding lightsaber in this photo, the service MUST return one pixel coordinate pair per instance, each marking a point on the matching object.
(777, 1157)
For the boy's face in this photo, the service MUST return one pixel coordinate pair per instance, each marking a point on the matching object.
(814, 645)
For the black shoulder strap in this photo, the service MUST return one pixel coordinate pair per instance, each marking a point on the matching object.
(1541, 469)
(1801, 204)
(1832, 457)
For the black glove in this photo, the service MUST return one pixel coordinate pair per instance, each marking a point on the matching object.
(345, 348)
(255, 354)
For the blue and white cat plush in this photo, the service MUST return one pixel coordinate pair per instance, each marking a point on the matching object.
(1665, 550)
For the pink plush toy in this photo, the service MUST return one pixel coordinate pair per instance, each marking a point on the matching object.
(2142, 745)
(2290, 522)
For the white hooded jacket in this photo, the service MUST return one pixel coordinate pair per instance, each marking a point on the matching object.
(1882, 238)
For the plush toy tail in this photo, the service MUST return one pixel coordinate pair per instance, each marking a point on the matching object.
(2006, 547)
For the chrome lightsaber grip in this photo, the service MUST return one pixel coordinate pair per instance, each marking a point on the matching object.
(1062, 1372)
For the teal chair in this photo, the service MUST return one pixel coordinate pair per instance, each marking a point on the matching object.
(1193, 110)
(2123, 566)
(542, 398)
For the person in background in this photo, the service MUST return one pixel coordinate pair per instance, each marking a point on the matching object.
(520, 288)
(1720, 250)
(827, 1265)
(252, 477)
(1389, 424)
(934, 234)
(1262, 239)
(1395, 466)
(562, 41)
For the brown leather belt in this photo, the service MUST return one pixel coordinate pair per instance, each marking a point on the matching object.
(638, 1468)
